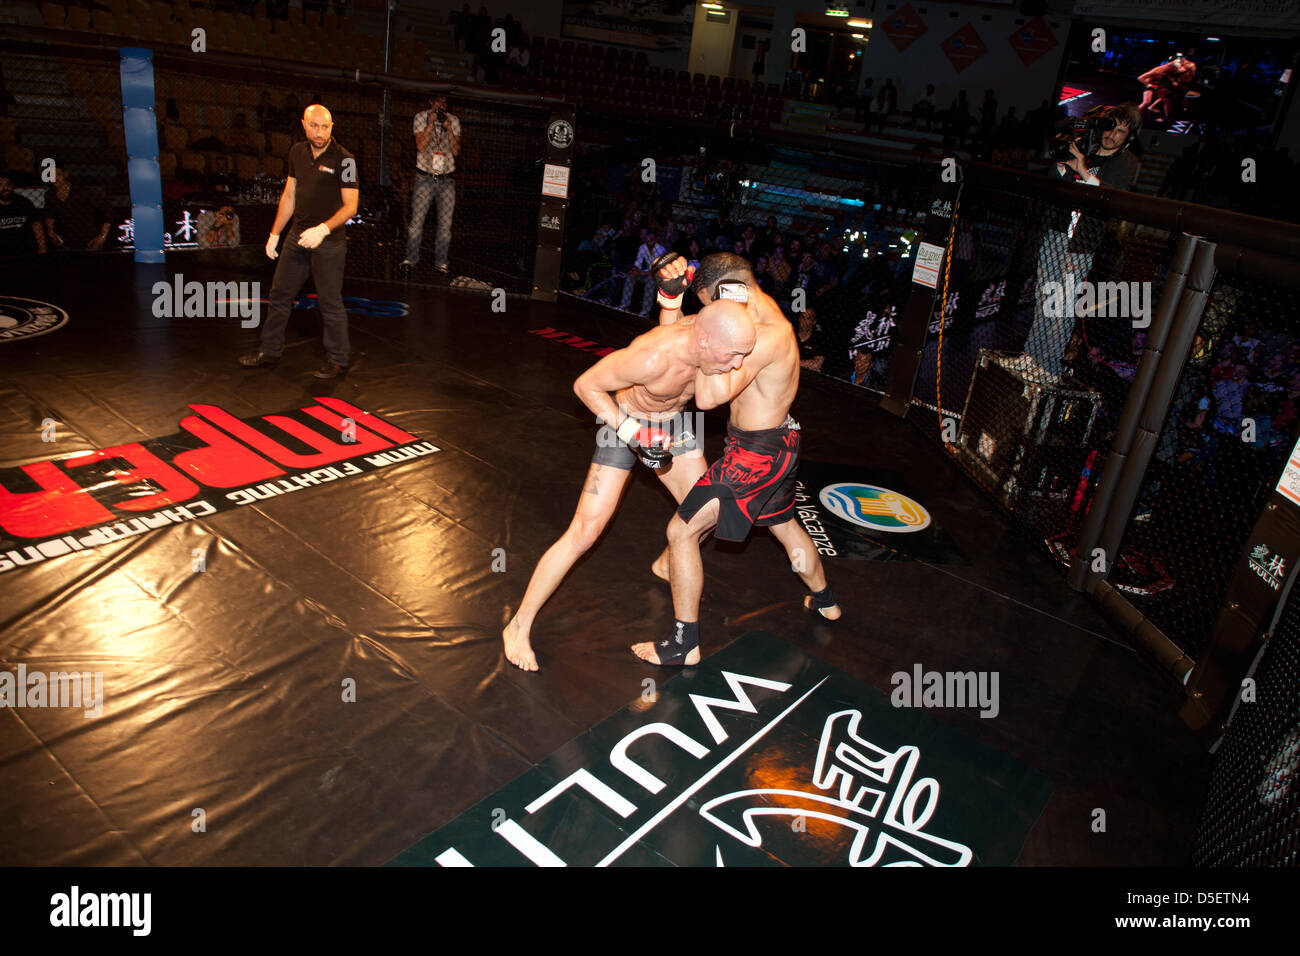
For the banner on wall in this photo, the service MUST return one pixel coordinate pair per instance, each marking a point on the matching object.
(963, 48)
(902, 27)
(662, 26)
(1033, 41)
(1189, 14)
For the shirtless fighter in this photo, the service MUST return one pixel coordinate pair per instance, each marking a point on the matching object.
(637, 393)
(753, 483)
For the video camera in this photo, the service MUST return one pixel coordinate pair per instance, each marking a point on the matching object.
(1084, 131)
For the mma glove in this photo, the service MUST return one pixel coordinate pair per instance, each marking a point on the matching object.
(650, 445)
(670, 290)
(313, 237)
(271, 244)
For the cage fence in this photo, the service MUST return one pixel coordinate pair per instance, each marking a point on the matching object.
(224, 134)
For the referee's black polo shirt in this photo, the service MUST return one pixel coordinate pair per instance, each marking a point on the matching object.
(318, 194)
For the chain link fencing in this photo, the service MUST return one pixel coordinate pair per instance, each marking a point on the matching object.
(829, 238)
(1252, 811)
(1223, 446)
(224, 134)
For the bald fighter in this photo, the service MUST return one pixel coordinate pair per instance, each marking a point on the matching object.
(320, 195)
(637, 394)
(753, 483)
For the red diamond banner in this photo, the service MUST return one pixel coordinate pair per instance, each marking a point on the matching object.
(963, 48)
(903, 27)
(1032, 41)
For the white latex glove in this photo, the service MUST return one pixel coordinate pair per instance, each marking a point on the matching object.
(270, 246)
(313, 237)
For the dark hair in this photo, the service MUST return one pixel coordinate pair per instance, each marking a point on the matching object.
(719, 267)
(1126, 113)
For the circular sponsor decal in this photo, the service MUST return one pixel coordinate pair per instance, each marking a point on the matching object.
(873, 507)
(28, 318)
(560, 133)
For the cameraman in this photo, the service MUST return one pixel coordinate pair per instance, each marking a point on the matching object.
(437, 144)
(1071, 237)
(222, 230)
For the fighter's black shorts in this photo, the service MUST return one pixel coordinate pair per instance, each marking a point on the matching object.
(754, 481)
(613, 451)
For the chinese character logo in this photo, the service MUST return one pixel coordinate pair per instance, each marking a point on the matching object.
(869, 790)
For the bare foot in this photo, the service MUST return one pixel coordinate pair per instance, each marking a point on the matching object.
(660, 568)
(518, 650)
(831, 613)
(646, 651)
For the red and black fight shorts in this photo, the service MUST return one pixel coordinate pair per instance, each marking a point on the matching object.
(754, 481)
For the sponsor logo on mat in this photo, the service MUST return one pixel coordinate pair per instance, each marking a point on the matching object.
(216, 462)
(760, 755)
(28, 318)
(878, 509)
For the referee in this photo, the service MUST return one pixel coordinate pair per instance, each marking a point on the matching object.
(320, 195)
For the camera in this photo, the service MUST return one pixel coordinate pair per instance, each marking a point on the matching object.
(1084, 131)
(442, 116)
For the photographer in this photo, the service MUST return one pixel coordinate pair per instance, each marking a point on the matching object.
(1094, 151)
(437, 144)
(221, 231)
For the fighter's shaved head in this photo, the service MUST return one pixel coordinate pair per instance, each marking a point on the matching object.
(726, 335)
(316, 111)
(727, 322)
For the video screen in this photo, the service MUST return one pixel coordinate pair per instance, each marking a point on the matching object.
(1185, 83)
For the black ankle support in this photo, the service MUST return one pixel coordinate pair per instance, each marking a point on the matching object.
(684, 639)
(823, 598)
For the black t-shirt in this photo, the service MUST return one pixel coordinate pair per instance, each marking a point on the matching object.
(814, 345)
(1119, 171)
(79, 218)
(16, 220)
(318, 194)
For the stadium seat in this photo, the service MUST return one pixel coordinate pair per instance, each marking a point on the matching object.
(713, 82)
(78, 18)
(20, 158)
(79, 82)
(53, 14)
(273, 165)
(175, 137)
(194, 161)
(8, 132)
(104, 110)
(167, 164)
(107, 82)
(245, 166)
